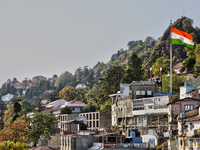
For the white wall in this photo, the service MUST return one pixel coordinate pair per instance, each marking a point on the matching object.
(190, 129)
(124, 90)
(184, 89)
(7, 97)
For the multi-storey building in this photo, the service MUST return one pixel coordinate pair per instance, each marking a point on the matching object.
(143, 109)
(97, 120)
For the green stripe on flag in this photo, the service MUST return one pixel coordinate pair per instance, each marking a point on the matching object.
(179, 42)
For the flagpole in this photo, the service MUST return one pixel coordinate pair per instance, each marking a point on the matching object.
(170, 59)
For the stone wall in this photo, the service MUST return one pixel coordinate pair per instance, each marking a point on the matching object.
(105, 119)
(55, 141)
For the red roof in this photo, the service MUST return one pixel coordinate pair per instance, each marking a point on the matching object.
(18, 83)
(43, 148)
(76, 102)
(55, 101)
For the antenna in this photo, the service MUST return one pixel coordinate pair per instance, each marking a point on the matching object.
(183, 12)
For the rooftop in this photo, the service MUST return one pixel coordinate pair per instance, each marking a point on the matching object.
(76, 102)
(151, 82)
(43, 148)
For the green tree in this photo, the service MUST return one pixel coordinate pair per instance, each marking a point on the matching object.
(67, 93)
(38, 103)
(90, 80)
(80, 94)
(64, 80)
(89, 108)
(197, 59)
(43, 125)
(177, 81)
(106, 107)
(14, 80)
(110, 83)
(161, 62)
(52, 97)
(17, 109)
(8, 145)
(92, 95)
(66, 110)
(134, 71)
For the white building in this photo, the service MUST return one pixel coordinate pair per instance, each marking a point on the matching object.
(75, 105)
(186, 90)
(189, 130)
(8, 97)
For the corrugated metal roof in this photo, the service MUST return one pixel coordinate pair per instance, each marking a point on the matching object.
(151, 82)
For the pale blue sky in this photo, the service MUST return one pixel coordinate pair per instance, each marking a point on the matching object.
(47, 37)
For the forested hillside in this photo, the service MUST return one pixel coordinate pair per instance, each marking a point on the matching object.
(125, 66)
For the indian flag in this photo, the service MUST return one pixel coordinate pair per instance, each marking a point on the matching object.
(181, 38)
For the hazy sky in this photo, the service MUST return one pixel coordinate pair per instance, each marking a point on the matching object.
(47, 37)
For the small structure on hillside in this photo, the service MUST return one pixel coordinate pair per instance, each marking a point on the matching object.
(110, 139)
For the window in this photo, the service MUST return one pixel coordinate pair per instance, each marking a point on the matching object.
(94, 116)
(189, 107)
(97, 115)
(137, 92)
(142, 92)
(140, 119)
(150, 107)
(181, 142)
(97, 124)
(149, 93)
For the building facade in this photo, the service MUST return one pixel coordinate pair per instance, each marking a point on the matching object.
(97, 120)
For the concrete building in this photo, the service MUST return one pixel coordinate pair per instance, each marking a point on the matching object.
(189, 130)
(76, 142)
(97, 120)
(141, 113)
(178, 107)
(76, 106)
(188, 91)
(141, 89)
(143, 109)
(67, 117)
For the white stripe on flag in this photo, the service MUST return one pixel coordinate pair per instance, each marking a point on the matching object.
(182, 38)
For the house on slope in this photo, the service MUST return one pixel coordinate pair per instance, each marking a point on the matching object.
(189, 129)
(145, 108)
(178, 107)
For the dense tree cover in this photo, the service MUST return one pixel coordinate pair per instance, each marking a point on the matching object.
(67, 93)
(80, 94)
(109, 84)
(180, 52)
(52, 97)
(161, 62)
(16, 109)
(43, 125)
(66, 110)
(177, 81)
(19, 129)
(16, 131)
(89, 108)
(8, 145)
(134, 71)
(8, 87)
